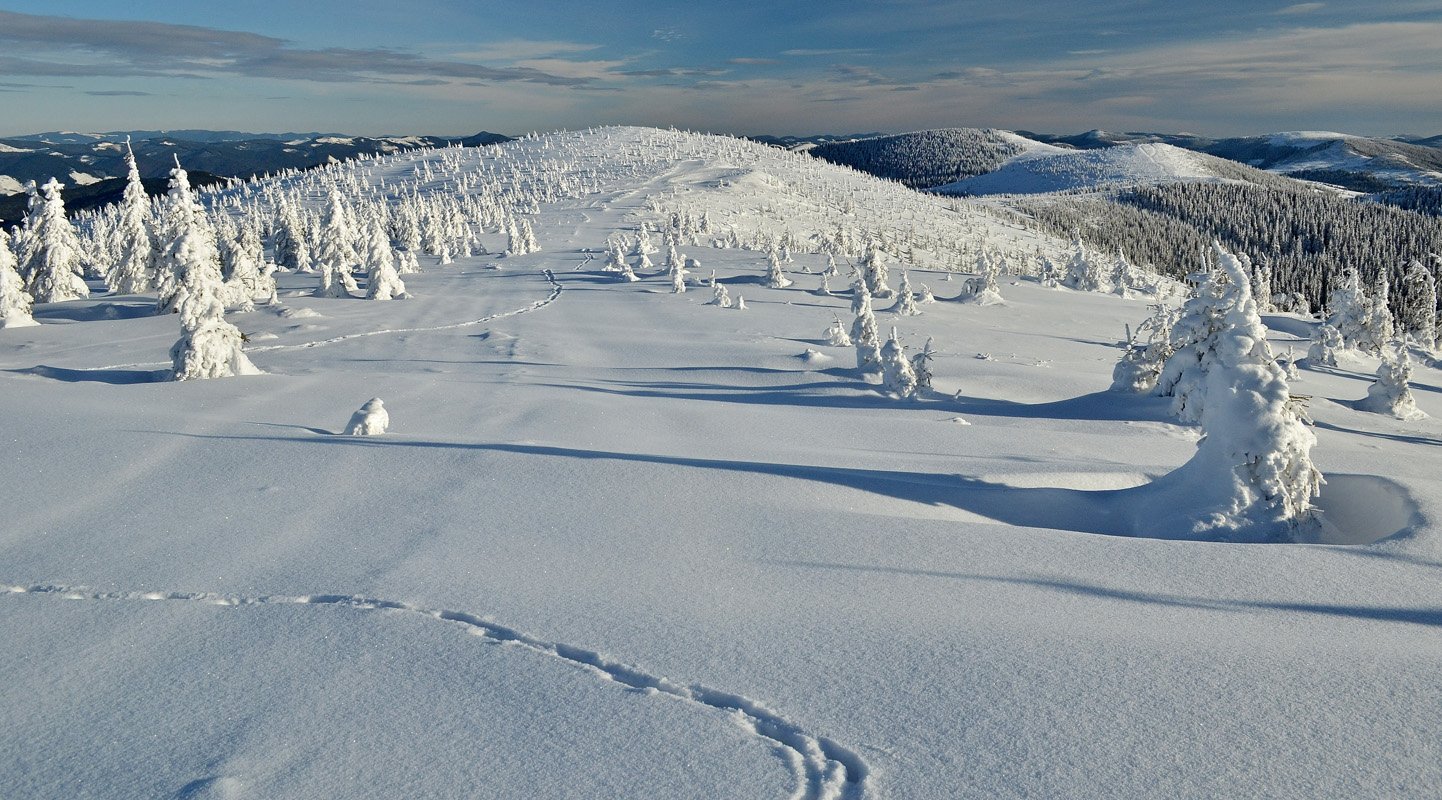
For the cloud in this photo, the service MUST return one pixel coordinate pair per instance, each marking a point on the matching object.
(90, 47)
(517, 49)
(667, 34)
(1300, 8)
(840, 51)
(752, 61)
(120, 93)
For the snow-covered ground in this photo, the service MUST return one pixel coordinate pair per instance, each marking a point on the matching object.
(621, 543)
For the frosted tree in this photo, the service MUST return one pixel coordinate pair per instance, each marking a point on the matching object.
(875, 271)
(1262, 284)
(678, 278)
(1390, 394)
(864, 333)
(1195, 336)
(133, 270)
(824, 289)
(15, 303)
(1083, 273)
(1326, 341)
(720, 296)
(921, 365)
(925, 296)
(382, 280)
(1379, 327)
(896, 373)
(905, 304)
(775, 274)
(830, 271)
(183, 217)
(1148, 349)
(835, 334)
(1047, 274)
(52, 263)
(615, 258)
(335, 255)
(1418, 315)
(1349, 306)
(291, 251)
(1252, 477)
(1121, 275)
(209, 347)
(247, 275)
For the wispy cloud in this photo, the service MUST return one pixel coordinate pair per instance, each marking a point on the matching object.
(90, 47)
(119, 93)
(1300, 8)
(836, 51)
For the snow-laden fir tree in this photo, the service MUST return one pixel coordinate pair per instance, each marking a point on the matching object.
(1379, 328)
(905, 304)
(896, 373)
(209, 347)
(824, 289)
(740, 303)
(1083, 271)
(720, 296)
(1047, 274)
(874, 270)
(831, 271)
(835, 334)
(247, 275)
(921, 366)
(1262, 284)
(15, 303)
(52, 261)
(1121, 275)
(183, 217)
(678, 278)
(1390, 393)
(775, 274)
(925, 296)
(382, 280)
(1326, 341)
(1418, 315)
(1252, 478)
(335, 255)
(864, 333)
(133, 270)
(289, 241)
(1147, 352)
(1194, 337)
(1348, 308)
(615, 258)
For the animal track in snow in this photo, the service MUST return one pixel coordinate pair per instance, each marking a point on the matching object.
(823, 769)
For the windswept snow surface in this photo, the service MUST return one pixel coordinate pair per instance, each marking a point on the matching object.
(1060, 170)
(620, 543)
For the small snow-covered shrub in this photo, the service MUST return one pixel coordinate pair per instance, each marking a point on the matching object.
(371, 419)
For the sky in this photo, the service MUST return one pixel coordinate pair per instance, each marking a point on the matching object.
(451, 67)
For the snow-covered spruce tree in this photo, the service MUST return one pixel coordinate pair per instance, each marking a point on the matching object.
(1262, 284)
(678, 278)
(1121, 275)
(243, 265)
(133, 271)
(835, 334)
(335, 255)
(1348, 308)
(15, 303)
(921, 365)
(896, 373)
(371, 419)
(183, 216)
(824, 289)
(1195, 337)
(864, 333)
(52, 266)
(1418, 316)
(720, 296)
(382, 280)
(1390, 394)
(1083, 272)
(775, 274)
(905, 304)
(209, 347)
(1047, 274)
(1326, 341)
(1252, 478)
(925, 296)
(875, 271)
(1147, 352)
(1379, 328)
(288, 243)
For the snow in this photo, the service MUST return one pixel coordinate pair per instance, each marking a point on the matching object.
(9, 185)
(626, 545)
(83, 178)
(7, 148)
(1305, 138)
(1122, 165)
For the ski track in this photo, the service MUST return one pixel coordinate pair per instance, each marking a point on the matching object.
(823, 769)
(556, 289)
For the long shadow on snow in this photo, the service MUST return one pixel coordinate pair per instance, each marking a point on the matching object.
(1107, 511)
(114, 377)
(1414, 616)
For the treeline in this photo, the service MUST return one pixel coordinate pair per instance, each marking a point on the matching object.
(1308, 238)
(925, 158)
(1423, 199)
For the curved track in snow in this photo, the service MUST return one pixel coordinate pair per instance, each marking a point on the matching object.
(823, 769)
(556, 289)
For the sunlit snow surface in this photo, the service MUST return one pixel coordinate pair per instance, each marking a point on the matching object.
(619, 543)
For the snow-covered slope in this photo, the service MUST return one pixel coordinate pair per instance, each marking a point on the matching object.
(927, 158)
(1062, 170)
(621, 543)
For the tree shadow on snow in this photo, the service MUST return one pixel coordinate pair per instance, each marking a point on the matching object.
(114, 377)
(1413, 616)
(94, 312)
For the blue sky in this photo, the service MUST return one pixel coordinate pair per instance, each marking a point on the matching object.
(450, 67)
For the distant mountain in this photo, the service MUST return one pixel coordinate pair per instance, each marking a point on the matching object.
(187, 134)
(95, 195)
(78, 159)
(928, 158)
(808, 142)
(1115, 167)
(1361, 163)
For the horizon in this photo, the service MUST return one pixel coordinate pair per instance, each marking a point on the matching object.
(1234, 69)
